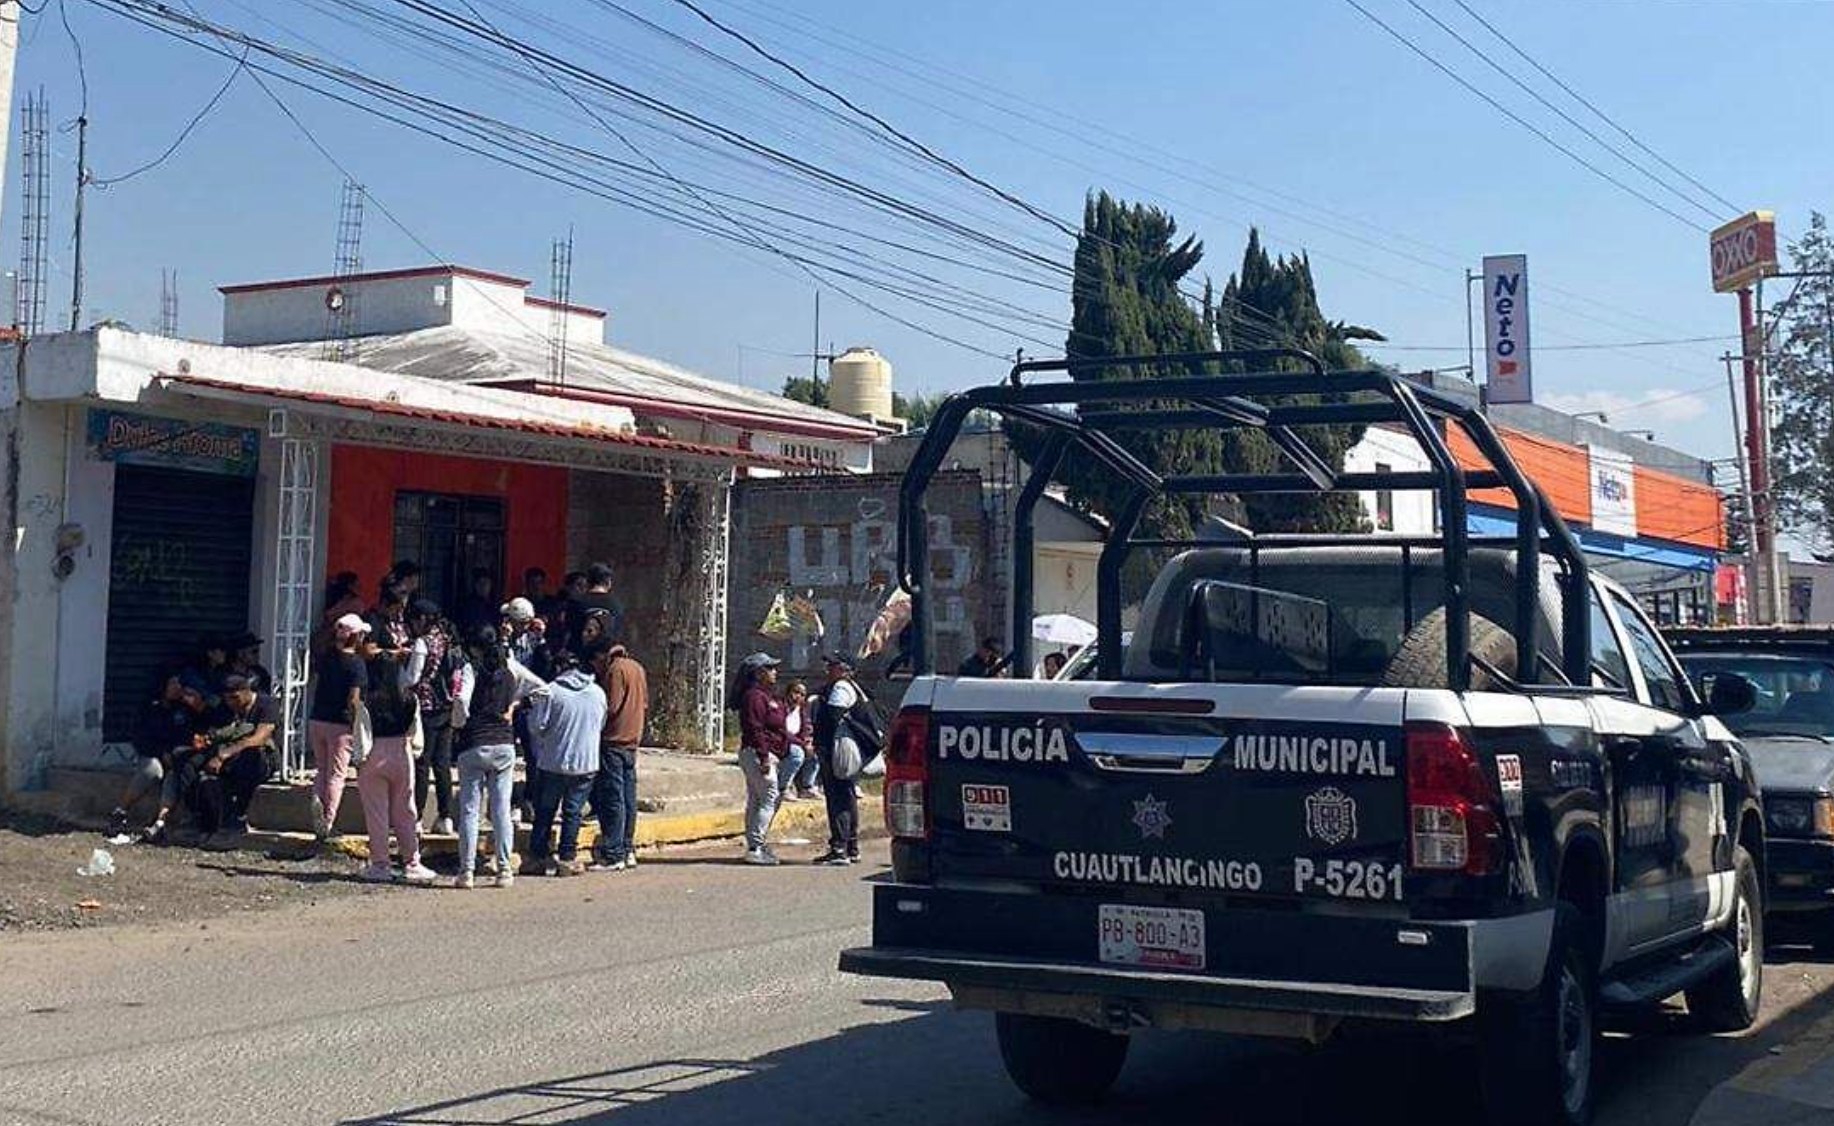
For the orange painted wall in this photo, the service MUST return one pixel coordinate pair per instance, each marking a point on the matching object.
(1668, 507)
(363, 484)
(1562, 471)
(1675, 508)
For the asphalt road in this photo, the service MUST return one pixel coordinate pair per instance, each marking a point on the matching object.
(690, 991)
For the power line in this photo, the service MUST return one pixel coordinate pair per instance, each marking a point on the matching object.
(196, 119)
(1587, 347)
(1559, 112)
(1602, 115)
(1519, 119)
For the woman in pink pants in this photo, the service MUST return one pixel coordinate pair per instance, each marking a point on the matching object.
(385, 781)
(339, 685)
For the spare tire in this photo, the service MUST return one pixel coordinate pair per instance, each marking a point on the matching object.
(1420, 659)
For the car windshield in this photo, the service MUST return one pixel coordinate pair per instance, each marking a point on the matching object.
(1795, 694)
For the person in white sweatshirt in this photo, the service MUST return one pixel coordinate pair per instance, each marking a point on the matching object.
(566, 719)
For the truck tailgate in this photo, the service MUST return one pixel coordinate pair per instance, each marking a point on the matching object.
(1171, 792)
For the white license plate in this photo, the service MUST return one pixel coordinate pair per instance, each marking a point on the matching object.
(1158, 937)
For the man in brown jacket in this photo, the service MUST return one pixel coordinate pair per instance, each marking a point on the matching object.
(614, 792)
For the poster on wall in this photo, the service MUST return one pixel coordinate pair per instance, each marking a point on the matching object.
(1506, 367)
(1614, 492)
(170, 443)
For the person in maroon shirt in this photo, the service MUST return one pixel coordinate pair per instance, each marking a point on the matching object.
(763, 740)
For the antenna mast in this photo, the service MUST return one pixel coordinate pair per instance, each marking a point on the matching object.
(168, 302)
(35, 220)
(341, 298)
(560, 287)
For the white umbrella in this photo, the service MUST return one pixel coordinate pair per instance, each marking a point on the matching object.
(1062, 629)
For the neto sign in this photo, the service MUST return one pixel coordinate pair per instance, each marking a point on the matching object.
(1744, 250)
(1506, 329)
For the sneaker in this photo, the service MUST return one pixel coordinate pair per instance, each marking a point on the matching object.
(763, 858)
(442, 827)
(373, 875)
(418, 873)
(603, 864)
(506, 879)
(464, 881)
(572, 867)
(154, 834)
(853, 858)
(832, 860)
(630, 860)
(321, 825)
(117, 822)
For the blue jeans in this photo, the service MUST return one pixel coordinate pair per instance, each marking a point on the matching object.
(486, 773)
(790, 766)
(761, 798)
(614, 798)
(565, 794)
(810, 773)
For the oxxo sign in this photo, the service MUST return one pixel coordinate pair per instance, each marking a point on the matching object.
(1506, 329)
(1744, 250)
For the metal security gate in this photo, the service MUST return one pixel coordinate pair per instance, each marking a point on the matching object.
(179, 569)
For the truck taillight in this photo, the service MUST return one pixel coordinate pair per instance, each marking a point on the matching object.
(907, 770)
(1451, 810)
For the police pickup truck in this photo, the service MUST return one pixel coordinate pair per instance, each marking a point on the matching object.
(1439, 780)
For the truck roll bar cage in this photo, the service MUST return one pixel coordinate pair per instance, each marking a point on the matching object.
(1224, 402)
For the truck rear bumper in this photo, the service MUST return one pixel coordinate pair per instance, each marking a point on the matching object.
(1015, 976)
(1338, 966)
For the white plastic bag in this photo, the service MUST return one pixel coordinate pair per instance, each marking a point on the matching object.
(362, 734)
(101, 863)
(845, 762)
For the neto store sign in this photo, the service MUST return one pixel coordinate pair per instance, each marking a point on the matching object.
(1614, 492)
(1743, 251)
(203, 447)
(1506, 329)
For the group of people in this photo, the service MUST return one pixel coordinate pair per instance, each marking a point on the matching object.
(204, 742)
(792, 740)
(405, 695)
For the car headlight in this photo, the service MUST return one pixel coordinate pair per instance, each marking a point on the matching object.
(1800, 816)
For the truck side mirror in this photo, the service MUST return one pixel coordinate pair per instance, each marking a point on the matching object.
(1730, 694)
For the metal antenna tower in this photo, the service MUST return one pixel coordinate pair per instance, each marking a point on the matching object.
(341, 298)
(35, 221)
(168, 302)
(561, 289)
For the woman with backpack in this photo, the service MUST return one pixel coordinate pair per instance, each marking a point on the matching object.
(385, 778)
(434, 661)
(491, 685)
(847, 737)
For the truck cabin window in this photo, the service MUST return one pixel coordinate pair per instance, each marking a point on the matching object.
(1795, 694)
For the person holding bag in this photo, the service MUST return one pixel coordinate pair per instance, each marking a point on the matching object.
(847, 737)
(385, 779)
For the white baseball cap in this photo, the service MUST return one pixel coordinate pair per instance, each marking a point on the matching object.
(352, 624)
(518, 610)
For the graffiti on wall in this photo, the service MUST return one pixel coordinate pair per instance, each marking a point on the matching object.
(848, 568)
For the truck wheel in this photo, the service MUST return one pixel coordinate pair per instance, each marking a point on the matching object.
(1059, 1061)
(1420, 659)
(1536, 1053)
(1728, 1001)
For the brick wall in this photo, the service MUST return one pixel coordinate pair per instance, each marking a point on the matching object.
(837, 537)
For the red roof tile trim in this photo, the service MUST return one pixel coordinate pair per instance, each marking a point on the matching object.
(549, 429)
(545, 303)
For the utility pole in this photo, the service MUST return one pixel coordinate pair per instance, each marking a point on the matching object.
(9, 46)
(1747, 513)
(815, 352)
(76, 262)
(1757, 455)
(1470, 327)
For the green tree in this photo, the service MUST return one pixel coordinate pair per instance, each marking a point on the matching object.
(1802, 388)
(1126, 300)
(806, 389)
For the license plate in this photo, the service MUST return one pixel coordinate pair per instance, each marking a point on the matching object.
(1157, 937)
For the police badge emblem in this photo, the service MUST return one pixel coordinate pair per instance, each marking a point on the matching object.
(1330, 816)
(1151, 818)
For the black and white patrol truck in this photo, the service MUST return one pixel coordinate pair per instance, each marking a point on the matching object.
(1443, 779)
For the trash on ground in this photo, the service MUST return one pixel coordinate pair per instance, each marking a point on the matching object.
(89, 904)
(101, 863)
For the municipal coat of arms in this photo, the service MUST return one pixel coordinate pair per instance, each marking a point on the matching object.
(1330, 816)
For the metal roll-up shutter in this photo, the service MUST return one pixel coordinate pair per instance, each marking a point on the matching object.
(179, 569)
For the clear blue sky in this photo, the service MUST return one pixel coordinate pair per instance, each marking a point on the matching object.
(1304, 97)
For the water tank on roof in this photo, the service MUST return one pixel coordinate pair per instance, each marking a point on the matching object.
(860, 383)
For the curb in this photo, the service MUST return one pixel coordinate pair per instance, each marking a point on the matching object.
(793, 819)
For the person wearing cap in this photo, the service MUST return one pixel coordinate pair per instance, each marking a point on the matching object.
(845, 712)
(339, 681)
(245, 661)
(525, 633)
(763, 741)
(162, 742)
(434, 660)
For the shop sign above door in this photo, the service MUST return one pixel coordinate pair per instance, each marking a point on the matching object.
(203, 447)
